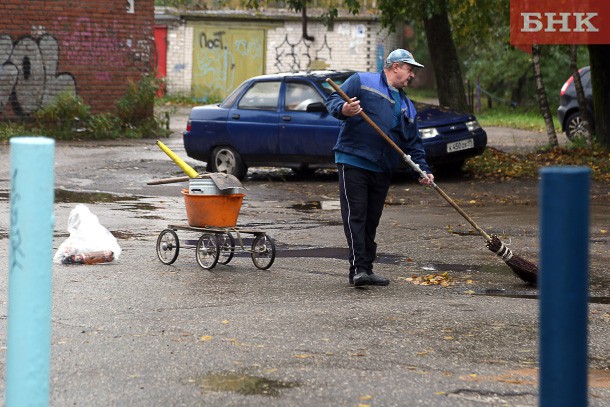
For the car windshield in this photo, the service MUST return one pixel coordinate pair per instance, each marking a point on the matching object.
(231, 98)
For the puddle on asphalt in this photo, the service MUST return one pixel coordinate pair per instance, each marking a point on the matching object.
(243, 384)
(66, 196)
(531, 296)
(324, 205)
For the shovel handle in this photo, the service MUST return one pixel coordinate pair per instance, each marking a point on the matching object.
(410, 162)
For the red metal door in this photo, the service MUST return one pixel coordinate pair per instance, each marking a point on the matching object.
(161, 48)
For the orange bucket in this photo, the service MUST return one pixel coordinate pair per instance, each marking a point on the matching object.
(212, 210)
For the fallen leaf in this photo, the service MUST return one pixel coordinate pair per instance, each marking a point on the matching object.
(206, 338)
(365, 398)
(303, 356)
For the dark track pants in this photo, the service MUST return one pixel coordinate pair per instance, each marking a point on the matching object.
(362, 195)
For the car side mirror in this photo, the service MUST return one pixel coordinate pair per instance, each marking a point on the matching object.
(317, 107)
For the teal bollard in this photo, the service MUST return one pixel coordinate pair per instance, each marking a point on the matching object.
(28, 345)
(564, 286)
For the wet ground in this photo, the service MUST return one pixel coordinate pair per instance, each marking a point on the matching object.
(455, 327)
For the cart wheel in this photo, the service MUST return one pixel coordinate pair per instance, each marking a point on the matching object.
(207, 251)
(226, 242)
(263, 252)
(168, 246)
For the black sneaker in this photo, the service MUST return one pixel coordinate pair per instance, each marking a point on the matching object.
(374, 279)
(361, 279)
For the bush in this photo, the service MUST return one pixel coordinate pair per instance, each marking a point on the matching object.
(68, 117)
(138, 103)
(64, 118)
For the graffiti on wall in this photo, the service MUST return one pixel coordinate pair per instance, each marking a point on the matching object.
(99, 44)
(223, 58)
(28, 74)
(213, 63)
(298, 55)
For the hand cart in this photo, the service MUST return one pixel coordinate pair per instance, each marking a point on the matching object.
(216, 245)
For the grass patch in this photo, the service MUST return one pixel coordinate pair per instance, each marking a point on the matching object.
(501, 166)
(515, 118)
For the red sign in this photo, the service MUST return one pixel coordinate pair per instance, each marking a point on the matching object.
(559, 22)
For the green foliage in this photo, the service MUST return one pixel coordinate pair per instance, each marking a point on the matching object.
(64, 118)
(68, 117)
(104, 126)
(137, 105)
(10, 129)
(516, 118)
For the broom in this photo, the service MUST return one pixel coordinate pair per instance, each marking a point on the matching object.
(524, 269)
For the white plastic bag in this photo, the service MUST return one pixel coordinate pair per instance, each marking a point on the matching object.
(87, 235)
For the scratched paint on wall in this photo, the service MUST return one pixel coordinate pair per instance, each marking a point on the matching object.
(28, 74)
(223, 58)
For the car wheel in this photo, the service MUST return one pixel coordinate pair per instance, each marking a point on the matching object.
(574, 126)
(228, 161)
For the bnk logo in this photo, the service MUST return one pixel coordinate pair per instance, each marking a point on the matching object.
(559, 22)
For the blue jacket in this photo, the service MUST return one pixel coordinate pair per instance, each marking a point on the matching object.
(357, 137)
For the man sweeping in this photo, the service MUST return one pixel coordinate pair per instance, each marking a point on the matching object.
(365, 161)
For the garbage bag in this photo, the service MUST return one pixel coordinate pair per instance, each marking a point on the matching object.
(87, 237)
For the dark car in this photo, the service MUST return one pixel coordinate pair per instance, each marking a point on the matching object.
(281, 120)
(568, 113)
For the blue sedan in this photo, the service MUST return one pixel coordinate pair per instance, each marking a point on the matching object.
(280, 120)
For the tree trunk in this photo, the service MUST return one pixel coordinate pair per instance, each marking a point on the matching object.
(599, 57)
(580, 96)
(543, 102)
(447, 72)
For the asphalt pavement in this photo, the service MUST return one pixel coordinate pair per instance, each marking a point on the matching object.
(137, 332)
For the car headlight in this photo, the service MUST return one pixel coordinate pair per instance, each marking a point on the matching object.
(473, 125)
(428, 133)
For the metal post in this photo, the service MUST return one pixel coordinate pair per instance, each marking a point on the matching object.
(563, 281)
(30, 267)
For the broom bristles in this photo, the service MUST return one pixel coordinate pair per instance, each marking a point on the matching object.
(524, 269)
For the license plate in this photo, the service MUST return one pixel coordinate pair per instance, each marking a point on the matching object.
(460, 145)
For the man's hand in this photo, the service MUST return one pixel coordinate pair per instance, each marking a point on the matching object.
(352, 108)
(428, 180)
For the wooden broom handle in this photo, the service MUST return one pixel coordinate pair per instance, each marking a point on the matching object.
(409, 161)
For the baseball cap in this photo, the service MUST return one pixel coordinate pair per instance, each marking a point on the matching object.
(402, 55)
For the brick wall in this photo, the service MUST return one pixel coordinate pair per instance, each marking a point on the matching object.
(350, 44)
(91, 48)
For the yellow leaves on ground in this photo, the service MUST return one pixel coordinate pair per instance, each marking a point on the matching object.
(206, 338)
(442, 280)
(500, 165)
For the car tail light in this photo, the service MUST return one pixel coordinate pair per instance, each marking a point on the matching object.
(188, 125)
(566, 85)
